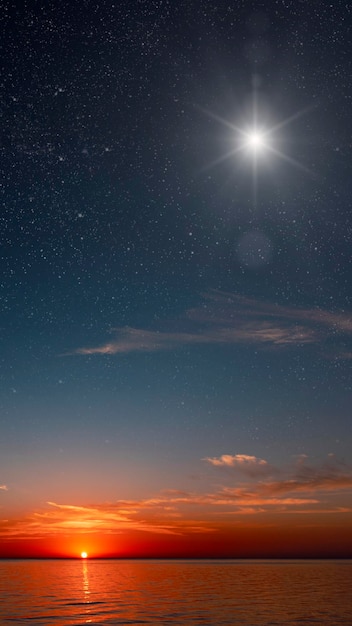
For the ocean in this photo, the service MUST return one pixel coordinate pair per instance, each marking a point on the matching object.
(175, 592)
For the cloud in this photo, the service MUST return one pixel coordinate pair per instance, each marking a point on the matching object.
(330, 477)
(156, 515)
(302, 488)
(137, 340)
(250, 465)
(299, 484)
(226, 304)
(311, 481)
(224, 319)
(237, 460)
(3, 488)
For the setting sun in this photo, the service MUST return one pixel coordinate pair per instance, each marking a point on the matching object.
(84, 555)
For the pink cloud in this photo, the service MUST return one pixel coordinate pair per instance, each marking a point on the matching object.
(225, 318)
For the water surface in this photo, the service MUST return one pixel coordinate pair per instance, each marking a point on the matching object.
(175, 592)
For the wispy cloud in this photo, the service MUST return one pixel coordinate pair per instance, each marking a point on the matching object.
(3, 488)
(330, 477)
(151, 516)
(311, 481)
(298, 488)
(225, 318)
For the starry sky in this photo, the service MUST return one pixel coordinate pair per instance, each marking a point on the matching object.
(175, 300)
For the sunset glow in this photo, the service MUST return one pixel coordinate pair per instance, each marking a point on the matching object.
(250, 507)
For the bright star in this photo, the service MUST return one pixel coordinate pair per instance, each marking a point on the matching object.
(257, 138)
(256, 141)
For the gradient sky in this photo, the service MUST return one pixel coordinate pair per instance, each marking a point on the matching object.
(176, 312)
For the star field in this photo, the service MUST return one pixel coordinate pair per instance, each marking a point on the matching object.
(165, 296)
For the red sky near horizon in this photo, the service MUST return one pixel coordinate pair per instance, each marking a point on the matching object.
(250, 509)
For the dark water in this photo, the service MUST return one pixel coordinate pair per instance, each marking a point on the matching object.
(176, 592)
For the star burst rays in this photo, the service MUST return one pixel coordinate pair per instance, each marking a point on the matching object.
(257, 142)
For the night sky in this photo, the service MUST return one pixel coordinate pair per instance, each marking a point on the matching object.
(176, 314)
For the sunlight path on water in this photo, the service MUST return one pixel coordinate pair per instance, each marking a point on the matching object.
(255, 593)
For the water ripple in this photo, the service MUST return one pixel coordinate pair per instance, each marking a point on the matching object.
(203, 593)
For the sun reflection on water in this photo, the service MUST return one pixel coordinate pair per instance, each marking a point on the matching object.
(86, 589)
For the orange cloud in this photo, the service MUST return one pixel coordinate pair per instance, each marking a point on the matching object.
(107, 518)
(250, 465)
(331, 476)
(303, 489)
(311, 484)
